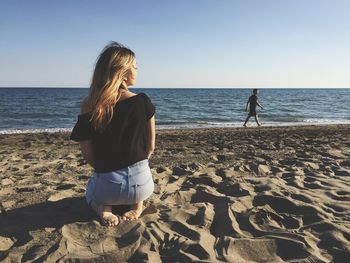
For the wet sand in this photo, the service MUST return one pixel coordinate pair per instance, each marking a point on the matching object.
(270, 194)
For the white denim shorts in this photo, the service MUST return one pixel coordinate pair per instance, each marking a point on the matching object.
(126, 186)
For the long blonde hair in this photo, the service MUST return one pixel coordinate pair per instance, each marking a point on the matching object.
(112, 67)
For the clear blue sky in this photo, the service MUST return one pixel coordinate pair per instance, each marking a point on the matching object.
(182, 43)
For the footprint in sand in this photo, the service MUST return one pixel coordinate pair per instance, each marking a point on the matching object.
(181, 171)
(337, 210)
(345, 163)
(234, 189)
(61, 195)
(302, 198)
(160, 169)
(225, 173)
(169, 249)
(203, 217)
(29, 156)
(261, 187)
(61, 166)
(340, 171)
(65, 186)
(272, 249)
(220, 158)
(203, 179)
(312, 183)
(65, 191)
(313, 166)
(269, 221)
(185, 230)
(343, 193)
(284, 205)
(87, 240)
(330, 240)
(260, 169)
(83, 177)
(26, 189)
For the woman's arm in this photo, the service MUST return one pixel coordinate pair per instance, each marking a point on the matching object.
(151, 137)
(86, 150)
(86, 146)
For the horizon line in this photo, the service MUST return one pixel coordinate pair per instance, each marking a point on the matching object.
(253, 87)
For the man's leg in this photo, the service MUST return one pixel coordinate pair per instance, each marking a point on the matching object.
(257, 120)
(246, 120)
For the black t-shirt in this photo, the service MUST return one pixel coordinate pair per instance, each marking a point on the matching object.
(252, 102)
(124, 141)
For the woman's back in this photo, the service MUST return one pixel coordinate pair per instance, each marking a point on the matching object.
(124, 140)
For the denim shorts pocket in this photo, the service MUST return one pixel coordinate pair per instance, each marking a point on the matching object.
(107, 191)
(143, 188)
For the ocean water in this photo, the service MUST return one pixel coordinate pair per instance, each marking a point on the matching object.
(55, 109)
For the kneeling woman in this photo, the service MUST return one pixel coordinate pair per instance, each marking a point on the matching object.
(116, 131)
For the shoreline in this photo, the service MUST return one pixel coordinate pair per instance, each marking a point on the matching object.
(221, 194)
(169, 127)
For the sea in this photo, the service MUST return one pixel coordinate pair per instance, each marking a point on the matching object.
(28, 110)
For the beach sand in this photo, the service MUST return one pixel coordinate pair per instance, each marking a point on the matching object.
(270, 194)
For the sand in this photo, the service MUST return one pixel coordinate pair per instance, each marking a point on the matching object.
(270, 194)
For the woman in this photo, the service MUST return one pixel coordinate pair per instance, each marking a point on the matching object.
(116, 132)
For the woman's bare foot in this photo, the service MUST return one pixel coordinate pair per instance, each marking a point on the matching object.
(134, 213)
(105, 214)
(107, 217)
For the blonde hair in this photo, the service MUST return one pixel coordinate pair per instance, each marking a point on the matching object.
(112, 66)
